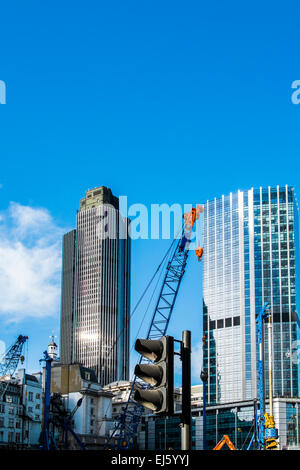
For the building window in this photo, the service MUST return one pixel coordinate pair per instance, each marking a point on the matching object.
(11, 423)
(1, 422)
(30, 396)
(10, 437)
(18, 424)
(9, 399)
(38, 396)
(18, 439)
(11, 410)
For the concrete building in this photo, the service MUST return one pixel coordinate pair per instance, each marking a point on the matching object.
(150, 423)
(20, 412)
(93, 419)
(96, 289)
(11, 412)
(31, 389)
(120, 392)
(196, 397)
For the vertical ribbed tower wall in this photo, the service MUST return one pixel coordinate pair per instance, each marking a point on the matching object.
(100, 330)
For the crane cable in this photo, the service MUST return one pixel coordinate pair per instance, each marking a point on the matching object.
(148, 306)
(142, 296)
(164, 260)
(144, 316)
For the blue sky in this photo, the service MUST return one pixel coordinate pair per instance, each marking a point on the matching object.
(165, 102)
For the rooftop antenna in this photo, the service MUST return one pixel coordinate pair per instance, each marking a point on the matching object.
(53, 336)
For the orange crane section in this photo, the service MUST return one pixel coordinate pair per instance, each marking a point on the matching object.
(225, 440)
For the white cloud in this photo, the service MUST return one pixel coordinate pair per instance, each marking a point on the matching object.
(30, 263)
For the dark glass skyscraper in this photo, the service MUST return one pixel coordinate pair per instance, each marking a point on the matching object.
(67, 298)
(251, 247)
(96, 288)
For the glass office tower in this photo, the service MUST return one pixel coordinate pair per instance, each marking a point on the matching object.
(96, 289)
(67, 299)
(251, 256)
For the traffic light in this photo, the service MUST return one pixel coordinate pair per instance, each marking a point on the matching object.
(160, 374)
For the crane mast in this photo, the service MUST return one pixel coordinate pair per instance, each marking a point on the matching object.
(265, 424)
(127, 426)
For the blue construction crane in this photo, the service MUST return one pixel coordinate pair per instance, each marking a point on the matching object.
(126, 428)
(10, 361)
(265, 430)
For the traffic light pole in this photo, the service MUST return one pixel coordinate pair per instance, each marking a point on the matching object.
(186, 417)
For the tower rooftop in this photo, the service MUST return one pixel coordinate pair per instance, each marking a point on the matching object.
(98, 196)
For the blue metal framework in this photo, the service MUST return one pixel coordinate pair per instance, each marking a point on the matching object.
(47, 441)
(46, 438)
(126, 429)
(10, 361)
(260, 422)
(265, 432)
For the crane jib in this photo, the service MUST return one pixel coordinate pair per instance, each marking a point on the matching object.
(127, 426)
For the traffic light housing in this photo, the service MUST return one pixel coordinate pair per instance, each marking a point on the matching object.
(159, 374)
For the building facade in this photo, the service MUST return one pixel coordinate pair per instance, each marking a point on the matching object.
(236, 420)
(96, 289)
(11, 412)
(92, 420)
(251, 246)
(20, 412)
(31, 390)
(164, 433)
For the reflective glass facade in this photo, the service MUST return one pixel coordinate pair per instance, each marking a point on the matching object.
(237, 422)
(95, 308)
(165, 433)
(251, 254)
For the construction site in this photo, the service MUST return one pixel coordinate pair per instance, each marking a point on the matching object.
(247, 395)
